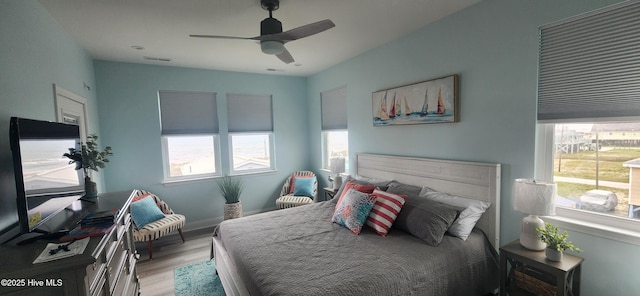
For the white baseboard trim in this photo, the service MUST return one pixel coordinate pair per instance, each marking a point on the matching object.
(213, 221)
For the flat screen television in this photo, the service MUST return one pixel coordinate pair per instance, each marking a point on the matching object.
(46, 183)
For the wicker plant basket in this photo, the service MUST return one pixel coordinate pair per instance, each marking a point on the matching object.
(531, 280)
(232, 211)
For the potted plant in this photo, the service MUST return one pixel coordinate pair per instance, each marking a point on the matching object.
(556, 242)
(231, 190)
(89, 158)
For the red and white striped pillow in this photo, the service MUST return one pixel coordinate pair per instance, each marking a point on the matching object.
(384, 211)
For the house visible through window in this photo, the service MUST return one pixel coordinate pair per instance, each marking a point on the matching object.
(335, 136)
(250, 133)
(597, 167)
(189, 124)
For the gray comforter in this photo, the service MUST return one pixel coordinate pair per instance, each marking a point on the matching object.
(298, 251)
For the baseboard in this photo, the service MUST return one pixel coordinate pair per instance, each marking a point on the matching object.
(211, 223)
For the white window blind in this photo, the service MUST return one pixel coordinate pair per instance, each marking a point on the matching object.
(249, 113)
(589, 66)
(334, 109)
(188, 112)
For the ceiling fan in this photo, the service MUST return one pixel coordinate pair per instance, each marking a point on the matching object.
(272, 39)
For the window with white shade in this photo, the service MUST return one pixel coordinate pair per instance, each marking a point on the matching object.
(250, 125)
(335, 136)
(588, 139)
(189, 122)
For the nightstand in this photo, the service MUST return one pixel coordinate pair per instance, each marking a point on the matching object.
(329, 193)
(526, 272)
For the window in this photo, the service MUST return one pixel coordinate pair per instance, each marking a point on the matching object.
(189, 124)
(589, 157)
(250, 133)
(588, 104)
(335, 137)
(336, 144)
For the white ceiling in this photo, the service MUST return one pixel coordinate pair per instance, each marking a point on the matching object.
(108, 29)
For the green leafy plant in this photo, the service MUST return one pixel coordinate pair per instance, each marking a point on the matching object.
(230, 189)
(89, 157)
(554, 239)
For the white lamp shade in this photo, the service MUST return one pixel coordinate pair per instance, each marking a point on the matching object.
(534, 197)
(336, 165)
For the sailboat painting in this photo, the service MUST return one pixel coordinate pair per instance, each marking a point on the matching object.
(432, 101)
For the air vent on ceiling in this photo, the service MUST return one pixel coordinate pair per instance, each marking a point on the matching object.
(157, 59)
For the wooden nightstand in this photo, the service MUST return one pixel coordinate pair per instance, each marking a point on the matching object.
(532, 269)
(329, 193)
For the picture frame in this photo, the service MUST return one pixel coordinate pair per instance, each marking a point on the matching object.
(430, 101)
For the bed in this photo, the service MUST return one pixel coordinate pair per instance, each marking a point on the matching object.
(298, 251)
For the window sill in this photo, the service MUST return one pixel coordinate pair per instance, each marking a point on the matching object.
(186, 181)
(596, 229)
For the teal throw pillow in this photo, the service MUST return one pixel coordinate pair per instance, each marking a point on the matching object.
(304, 187)
(145, 211)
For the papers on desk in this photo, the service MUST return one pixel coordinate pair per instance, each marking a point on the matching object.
(75, 248)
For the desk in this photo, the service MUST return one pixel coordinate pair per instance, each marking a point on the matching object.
(565, 273)
(329, 193)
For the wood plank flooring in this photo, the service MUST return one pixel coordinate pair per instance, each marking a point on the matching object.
(156, 275)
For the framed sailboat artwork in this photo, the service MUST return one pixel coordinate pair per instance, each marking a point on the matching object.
(431, 101)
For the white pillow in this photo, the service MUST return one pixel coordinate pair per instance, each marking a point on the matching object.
(471, 212)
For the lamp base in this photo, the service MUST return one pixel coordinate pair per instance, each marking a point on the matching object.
(337, 182)
(529, 236)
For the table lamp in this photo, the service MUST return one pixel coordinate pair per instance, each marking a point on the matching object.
(336, 165)
(536, 198)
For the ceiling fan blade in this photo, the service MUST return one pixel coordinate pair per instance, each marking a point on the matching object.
(300, 32)
(225, 37)
(285, 56)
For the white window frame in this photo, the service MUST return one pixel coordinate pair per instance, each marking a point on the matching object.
(602, 225)
(272, 154)
(166, 166)
(325, 148)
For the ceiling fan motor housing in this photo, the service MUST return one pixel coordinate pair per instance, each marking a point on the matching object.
(270, 26)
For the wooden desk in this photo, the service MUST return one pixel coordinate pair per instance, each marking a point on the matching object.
(566, 272)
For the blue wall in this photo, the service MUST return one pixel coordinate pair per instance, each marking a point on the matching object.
(493, 46)
(35, 54)
(128, 111)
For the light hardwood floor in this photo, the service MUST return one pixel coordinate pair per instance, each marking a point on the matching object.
(156, 275)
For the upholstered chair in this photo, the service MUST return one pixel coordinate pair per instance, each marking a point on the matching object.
(158, 228)
(290, 197)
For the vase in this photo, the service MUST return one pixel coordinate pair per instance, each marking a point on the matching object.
(232, 211)
(553, 254)
(90, 188)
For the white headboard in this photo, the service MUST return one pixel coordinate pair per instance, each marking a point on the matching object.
(473, 180)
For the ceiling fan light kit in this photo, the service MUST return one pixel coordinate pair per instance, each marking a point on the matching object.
(272, 39)
(272, 47)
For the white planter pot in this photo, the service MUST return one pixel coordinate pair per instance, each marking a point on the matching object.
(232, 211)
(553, 254)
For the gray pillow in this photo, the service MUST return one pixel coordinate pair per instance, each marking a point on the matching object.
(426, 219)
(471, 211)
(380, 183)
(401, 188)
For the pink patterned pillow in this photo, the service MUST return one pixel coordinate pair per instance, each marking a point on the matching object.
(352, 211)
(385, 211)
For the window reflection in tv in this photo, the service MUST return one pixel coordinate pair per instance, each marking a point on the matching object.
(44, 167)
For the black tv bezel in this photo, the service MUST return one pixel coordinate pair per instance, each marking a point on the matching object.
(24, 128)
